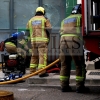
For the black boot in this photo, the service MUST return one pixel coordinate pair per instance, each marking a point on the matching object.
(66, 89)
(43, 75)
(82, 89)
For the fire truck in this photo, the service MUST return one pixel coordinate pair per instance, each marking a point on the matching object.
(91, 30)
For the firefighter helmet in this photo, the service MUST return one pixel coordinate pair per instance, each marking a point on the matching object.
(40, 9)
(76, 9)
(17, 35)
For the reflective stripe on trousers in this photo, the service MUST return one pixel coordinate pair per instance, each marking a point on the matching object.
(64, 78)
(39, 55)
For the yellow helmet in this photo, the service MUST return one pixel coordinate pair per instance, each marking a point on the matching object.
(40, 9)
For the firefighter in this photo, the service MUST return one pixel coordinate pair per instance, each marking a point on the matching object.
(16, 44)
(71, 48)
(39, 27)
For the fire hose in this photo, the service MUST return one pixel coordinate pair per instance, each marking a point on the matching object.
(30, 75)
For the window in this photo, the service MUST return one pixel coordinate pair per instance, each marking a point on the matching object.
(4, 14)
(23, 11)
(55, 11)
(14, 14)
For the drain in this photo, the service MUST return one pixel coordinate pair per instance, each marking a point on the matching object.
(94, 73)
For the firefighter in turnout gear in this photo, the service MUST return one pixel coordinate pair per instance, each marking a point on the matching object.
(71, 48)
(39, 27)
(16, 44)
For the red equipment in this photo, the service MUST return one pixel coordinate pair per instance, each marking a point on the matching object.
(11, 62)
(2, 46)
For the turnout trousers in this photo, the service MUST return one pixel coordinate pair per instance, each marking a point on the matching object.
(67, 54)
(39, 56)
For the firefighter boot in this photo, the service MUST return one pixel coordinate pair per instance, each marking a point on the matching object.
(65, 86)
(80, 88)
(43, 74)
(32, 70)
(66, 89)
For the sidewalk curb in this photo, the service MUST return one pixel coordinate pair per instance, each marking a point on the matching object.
(53, 80)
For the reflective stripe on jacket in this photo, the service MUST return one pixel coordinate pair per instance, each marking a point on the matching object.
(10, 43)
(37, 26)
(71, 25)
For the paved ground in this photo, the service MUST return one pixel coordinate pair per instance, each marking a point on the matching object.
(23, 91)
(92, 77)
(48, 88)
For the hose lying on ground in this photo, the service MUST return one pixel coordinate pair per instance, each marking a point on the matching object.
(30, 75)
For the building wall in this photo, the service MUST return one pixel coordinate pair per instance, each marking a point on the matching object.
(14, 15)
(69, 6)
